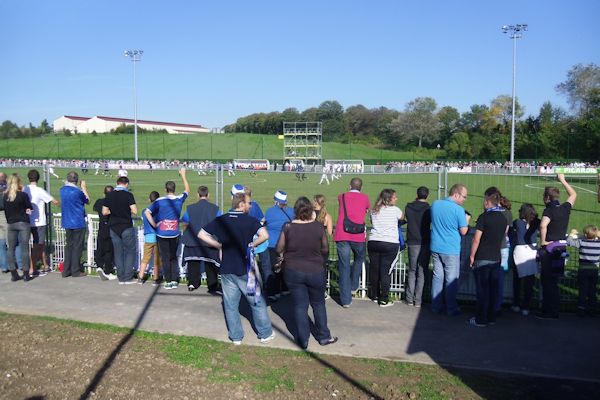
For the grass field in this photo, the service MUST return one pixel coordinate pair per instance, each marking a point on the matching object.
(518, 189)
(187, 147)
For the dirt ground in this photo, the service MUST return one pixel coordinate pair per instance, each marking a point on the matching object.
(52, 359)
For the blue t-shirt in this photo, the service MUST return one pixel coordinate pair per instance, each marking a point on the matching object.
(72, 203)
(149, 231)
(447, 218)
(275, 218)
(166, 212)
(235, 231)
(256, 211)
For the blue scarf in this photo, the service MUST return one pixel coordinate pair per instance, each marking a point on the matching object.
(253, 283)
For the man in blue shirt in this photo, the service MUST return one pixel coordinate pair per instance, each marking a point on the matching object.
(448, 222)
(164, 215)
(234, 232)
(275, 218)
(73, 201)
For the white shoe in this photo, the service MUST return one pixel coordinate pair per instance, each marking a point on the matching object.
(524, 313)
(112, 277)
(102, 274)
(268, 339)
(236, 342)
(515, 308)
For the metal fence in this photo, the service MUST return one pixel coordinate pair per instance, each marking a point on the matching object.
(567, 284)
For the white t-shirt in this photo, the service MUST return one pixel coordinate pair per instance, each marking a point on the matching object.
(385, 224)
(39, 197)
(122, 172)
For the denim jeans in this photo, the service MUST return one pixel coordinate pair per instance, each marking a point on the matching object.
(446, 271)
(266, 269)
(75, 239)
(308, 288)
(18, 232)
(3, 260)
(233, 287)
(125, 253)
(418, 261)
(587, 280)
(349, 274)
(486, 280)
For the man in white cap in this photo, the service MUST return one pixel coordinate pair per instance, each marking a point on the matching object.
(275, 218)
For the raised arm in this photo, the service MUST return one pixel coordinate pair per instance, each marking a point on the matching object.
(186, 185)
(570, 191)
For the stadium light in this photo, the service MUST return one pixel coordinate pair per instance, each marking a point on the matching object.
(135, 55)
(515, 32)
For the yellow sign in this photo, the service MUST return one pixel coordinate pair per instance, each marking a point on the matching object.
(279, 136)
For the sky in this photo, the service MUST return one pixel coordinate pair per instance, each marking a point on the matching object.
(211, 62)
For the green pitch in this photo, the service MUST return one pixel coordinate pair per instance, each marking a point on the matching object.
(518, 189)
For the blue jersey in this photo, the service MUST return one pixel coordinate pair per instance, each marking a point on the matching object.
(166, 212)
(447, 218)
(72, 205)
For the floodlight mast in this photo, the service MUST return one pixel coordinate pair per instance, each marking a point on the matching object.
(135, 55)
(514, 32)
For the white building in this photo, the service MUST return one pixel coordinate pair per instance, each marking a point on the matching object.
(106, 124)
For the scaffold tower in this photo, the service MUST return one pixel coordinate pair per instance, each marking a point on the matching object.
(303, 141)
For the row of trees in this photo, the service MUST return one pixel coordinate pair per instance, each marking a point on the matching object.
(482, 132)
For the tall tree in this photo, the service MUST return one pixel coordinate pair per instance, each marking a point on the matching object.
(331, 114)
(449, 123)
(418, 122)
(579, 86)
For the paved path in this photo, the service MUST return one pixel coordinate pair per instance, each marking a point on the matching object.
(567, 348)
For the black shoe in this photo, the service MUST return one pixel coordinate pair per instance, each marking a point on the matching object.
(329, 341)
(15, 275)
(27, 277)
(191, 288)
(544, 316)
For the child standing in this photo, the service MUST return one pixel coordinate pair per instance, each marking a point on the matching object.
(587, 275)
(150, 248)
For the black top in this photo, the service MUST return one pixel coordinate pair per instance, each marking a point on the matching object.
(524, 235)
(15, 210)
(118, 202)
(304, 246)
(418, 218)
(200, 214)
(235, 231)
(493, 225)
(559, 221)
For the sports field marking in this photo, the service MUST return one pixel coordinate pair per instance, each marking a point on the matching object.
(577, 187)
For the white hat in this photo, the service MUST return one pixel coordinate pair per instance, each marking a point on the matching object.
(237, 188)
(280, 197)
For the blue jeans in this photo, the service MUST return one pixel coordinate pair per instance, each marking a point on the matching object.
(446, 270)
(487, 275)
(3, 260)
(349, 274)
(125, 252)
(308, 288)
(18, 233)
(233, 287)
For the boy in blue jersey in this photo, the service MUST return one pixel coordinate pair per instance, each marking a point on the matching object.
(164, 216)
(150, 247)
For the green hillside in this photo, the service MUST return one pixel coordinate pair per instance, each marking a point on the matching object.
(185, 147)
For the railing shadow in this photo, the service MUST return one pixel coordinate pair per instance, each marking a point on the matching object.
(91, 388)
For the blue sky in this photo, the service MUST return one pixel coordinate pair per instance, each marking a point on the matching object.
(210, 62)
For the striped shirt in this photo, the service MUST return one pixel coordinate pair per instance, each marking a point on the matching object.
(385, 224)
(589, 252)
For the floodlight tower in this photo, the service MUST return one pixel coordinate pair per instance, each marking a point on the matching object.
(514, 32)
(135, 55)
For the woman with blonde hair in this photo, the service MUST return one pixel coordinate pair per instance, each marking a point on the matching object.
(17, 208)
(321, 213)
(383, 246)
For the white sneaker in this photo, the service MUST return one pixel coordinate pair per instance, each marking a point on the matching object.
(236, 342)
(524, 313)
(268, 339)
(112, 277)
(102, 274)
(515, 308)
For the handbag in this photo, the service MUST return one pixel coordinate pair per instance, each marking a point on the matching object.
(278, 265)
(349, 226)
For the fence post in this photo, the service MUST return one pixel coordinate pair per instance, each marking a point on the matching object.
(187, 146)
(101, 149)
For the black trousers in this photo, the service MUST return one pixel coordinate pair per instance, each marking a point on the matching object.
(104, 251)
(194, 274)
(167, 248)
(382, 259)
(73, 249)
(550, 291)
